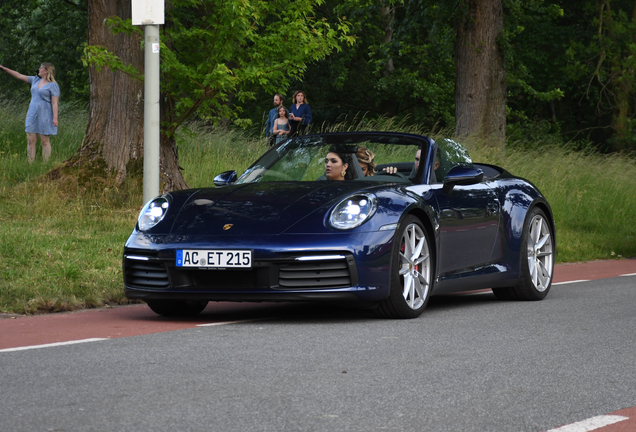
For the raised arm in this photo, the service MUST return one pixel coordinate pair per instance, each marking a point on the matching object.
(15, 74)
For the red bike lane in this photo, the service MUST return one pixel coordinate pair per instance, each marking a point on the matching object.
(135, 320)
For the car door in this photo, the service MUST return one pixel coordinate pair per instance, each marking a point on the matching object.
(468, 217)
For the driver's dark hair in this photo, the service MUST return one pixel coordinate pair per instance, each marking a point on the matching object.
(346, 159)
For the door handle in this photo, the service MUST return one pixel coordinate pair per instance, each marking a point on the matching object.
(492, 208)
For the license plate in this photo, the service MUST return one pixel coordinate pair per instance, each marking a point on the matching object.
(214, 258)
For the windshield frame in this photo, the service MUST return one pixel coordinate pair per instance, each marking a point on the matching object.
(346, 142)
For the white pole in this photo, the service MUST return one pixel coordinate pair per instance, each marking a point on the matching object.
(151, 112)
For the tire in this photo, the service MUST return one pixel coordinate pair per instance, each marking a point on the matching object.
(411, 272)
(177, 308)
(537, 260)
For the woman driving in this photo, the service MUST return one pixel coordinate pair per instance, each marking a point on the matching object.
(336, 165)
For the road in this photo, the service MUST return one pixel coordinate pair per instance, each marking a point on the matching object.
(469, 363)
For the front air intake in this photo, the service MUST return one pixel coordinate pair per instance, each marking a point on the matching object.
(146, 274)
(315, 274)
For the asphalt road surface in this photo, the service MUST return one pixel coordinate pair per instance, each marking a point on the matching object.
(469, 363)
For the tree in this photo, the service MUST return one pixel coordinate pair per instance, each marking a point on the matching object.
(615, 69)
(401, 65)
(480, 88)
(212, 52)
(535, 40)
(114, 135)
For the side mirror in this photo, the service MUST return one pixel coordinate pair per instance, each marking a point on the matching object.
(225, 178)
(462, 175)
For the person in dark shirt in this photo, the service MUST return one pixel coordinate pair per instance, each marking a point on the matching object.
(271, 118)
(300, 114)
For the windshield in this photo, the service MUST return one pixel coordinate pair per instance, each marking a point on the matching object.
(354, 157)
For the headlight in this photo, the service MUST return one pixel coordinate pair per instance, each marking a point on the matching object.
(152, 213)
(353, 211)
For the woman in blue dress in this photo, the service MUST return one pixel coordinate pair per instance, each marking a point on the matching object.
(42, 115)
(300, 116)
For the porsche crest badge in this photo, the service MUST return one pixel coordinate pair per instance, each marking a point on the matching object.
(227, 226)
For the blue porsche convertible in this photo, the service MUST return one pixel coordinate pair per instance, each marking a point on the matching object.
(384, 220)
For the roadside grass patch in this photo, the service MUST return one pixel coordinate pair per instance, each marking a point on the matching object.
(13, 166)
(592, 196)
(60, 253)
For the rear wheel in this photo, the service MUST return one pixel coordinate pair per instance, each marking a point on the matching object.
(537, 260)
(411, 272)
(177, 308)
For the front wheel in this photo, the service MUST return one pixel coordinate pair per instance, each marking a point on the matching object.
(537, 260)
(177, 308)
(411, 272)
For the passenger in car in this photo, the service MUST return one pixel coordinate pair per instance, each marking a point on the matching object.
(366, 160)
(435, 172)
(436, 164)
(394, 170)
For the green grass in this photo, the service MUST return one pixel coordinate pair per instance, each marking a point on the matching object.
(13, 166)
(592, 196)
(204, 153)
(61, 243)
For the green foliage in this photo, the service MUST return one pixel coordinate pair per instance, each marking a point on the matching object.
(526, 25)
(607, 59)
(101, 58)
(213, 52)
(570, 63)
(37, 31)
(401, 65)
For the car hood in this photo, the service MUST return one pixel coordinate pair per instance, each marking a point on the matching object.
(255, 208)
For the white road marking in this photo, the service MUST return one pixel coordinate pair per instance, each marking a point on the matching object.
(629, 274)
(226, 322)
(590, 424)
(569, 282)
(52, 344)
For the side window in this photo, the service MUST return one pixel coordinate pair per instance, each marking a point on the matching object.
(449, 154)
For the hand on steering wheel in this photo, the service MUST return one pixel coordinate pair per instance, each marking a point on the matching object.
(392, 171)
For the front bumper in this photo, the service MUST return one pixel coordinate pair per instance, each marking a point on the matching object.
(320, 268)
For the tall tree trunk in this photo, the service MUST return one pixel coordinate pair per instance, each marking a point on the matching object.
(115, 127)
(480, 87)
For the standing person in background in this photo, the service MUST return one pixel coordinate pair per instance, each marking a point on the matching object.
(41, 118)
(300, 116)
(281, 125)
(271, 118)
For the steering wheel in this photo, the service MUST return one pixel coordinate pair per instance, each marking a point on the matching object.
(395, 173)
